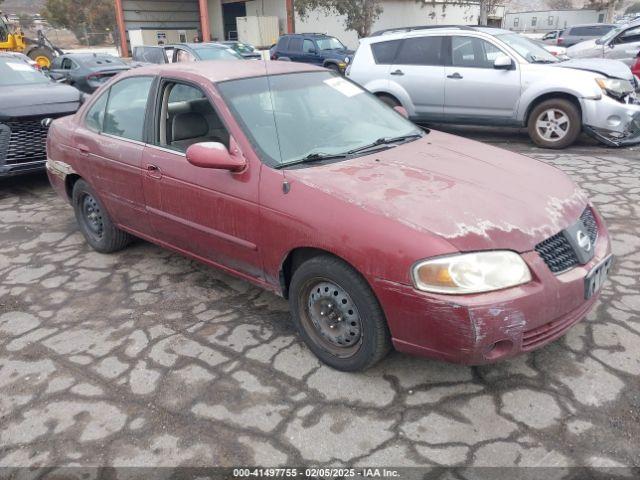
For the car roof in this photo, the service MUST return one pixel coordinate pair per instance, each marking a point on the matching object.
(197, 45)
(399, 33)
(591, 25)
(223, 70)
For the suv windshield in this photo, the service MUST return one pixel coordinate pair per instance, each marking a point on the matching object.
(329, 43)
(216, 53)
(532, 52)
(609, 36)
(293, 117)
(17, 72)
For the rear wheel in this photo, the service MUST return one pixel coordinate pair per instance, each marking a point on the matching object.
(94, 221)
(555, 123)
(337, 314)
(43, 56)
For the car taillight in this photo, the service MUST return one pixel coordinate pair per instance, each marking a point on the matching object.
(560, 41)
(273, 56)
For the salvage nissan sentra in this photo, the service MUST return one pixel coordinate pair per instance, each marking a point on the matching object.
(380, 234)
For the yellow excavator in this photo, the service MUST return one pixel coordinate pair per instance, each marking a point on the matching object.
(42, 51)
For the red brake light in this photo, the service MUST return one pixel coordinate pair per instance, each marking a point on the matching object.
(560, 40)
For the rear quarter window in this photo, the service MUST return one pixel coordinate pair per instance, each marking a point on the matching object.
(384, 53)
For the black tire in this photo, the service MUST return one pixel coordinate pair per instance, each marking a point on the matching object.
(38, 53)
(559, 136)
(356, 302)
(94, 221)
(389, 100)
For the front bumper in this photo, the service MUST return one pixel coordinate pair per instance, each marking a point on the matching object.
(21, 168)
(611, 122)
(485, 328)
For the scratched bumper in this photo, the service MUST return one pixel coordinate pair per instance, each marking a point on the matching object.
(613, 123)
(57, 175)
(485, 328)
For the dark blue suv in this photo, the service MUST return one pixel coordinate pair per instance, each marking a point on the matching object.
(315, 48)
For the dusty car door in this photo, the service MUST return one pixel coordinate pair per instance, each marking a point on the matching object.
(625, 46)
(474, 89)
(209, 213)
(110, 142)
(418, 69)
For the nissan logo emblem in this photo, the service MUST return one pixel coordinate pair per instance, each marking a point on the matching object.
(583, 240)
(46, 122)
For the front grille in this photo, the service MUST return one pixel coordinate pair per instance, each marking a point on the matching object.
(27, 140)
(557, 252)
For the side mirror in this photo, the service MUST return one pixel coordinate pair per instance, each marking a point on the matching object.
(84, 97)
(503, 62)
(214, 155)
(402, 111)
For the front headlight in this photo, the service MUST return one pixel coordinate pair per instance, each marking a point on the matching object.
(615, 87)
(347, 60)
(471, 273)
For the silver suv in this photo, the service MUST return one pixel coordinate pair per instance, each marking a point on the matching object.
(622, 43)
(485, 76)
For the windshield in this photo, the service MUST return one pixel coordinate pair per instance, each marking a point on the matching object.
(609, 36)
(242, 48)
(329, 43)
(17, 72)
(532, 52)
(217, 53)
(306, 114)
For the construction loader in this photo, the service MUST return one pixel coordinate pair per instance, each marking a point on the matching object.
(41, 50)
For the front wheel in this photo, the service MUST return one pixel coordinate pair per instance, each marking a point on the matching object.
(555, 123)
(337, 315)
(94, 221)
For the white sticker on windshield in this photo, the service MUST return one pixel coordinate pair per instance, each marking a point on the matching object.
(346, 88)
(19, 67)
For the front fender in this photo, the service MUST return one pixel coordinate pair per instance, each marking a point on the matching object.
(579, 90)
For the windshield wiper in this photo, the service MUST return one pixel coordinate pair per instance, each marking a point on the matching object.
(383, 141)
(312, 157)
(535, 59)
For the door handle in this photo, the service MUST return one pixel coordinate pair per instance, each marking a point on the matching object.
(398, 72)
(455, 76)
(83, 149)
(154, 171)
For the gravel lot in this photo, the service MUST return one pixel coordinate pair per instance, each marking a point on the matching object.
(145, 358)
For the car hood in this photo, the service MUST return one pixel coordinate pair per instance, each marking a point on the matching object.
(473, 195)
(43, 99)
(604, 66)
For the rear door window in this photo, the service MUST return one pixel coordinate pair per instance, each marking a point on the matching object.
(95, 116)
(125, 113)
(295, 44)
(283, 44)
(384, 53)
(420, 51)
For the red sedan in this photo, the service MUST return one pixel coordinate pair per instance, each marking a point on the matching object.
(379, 233)
(636, 67)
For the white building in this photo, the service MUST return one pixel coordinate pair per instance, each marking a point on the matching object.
(152, 21)
(547, 20)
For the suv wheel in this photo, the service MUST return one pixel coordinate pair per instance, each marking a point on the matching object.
(555, 123)
(94, 221)
(337, 314)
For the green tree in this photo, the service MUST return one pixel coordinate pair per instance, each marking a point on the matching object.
(360, 15)
(89, 20)
(633, 8)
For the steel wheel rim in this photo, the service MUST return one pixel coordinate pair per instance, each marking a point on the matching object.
(553, 125)
(330, 317)
(42, 61)
(92, 216)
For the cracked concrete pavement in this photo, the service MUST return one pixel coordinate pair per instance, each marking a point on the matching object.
(145, 358)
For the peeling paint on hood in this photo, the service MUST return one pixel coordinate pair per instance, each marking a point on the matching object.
(474, 195)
